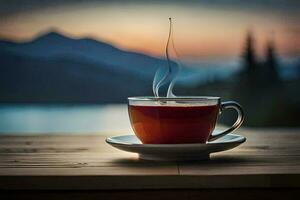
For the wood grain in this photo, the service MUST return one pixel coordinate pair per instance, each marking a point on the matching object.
(269, 159)
(207, 194)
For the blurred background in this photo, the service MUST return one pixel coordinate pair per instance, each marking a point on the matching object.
(69, 66)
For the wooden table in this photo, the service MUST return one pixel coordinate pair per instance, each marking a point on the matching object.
(85, 167)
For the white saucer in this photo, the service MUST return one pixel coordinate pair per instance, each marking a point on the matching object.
(172, 152)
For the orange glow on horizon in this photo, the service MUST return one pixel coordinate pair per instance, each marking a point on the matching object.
(198, 32)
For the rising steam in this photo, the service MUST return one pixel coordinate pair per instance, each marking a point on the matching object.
(167, 75)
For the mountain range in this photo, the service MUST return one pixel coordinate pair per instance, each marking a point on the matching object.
(54, 68)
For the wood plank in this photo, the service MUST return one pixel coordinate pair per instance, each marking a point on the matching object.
(273, 154)
(208, 194)
(138, 182)
(270, 158)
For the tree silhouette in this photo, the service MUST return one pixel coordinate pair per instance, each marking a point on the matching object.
(249, 56)
(258, 85)
(271, 62)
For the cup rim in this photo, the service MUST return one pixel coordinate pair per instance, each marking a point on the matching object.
(179, 98)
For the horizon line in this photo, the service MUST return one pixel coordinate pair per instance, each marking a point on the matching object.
(62, 33)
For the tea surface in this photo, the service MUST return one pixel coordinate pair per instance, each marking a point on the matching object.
(173, 124)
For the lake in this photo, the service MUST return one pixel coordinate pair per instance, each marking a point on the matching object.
(71, 119)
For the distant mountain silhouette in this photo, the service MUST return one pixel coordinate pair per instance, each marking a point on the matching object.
(54, 68)
(53, 45)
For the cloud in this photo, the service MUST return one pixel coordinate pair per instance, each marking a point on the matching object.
(12, 7)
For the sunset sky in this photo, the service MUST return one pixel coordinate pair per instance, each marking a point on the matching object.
(202, 29)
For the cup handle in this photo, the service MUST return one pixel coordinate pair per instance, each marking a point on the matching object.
(237, 123)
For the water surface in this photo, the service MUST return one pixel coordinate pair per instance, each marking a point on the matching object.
(71, 119)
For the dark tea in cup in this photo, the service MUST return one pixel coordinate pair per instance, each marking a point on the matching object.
(177, 120)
